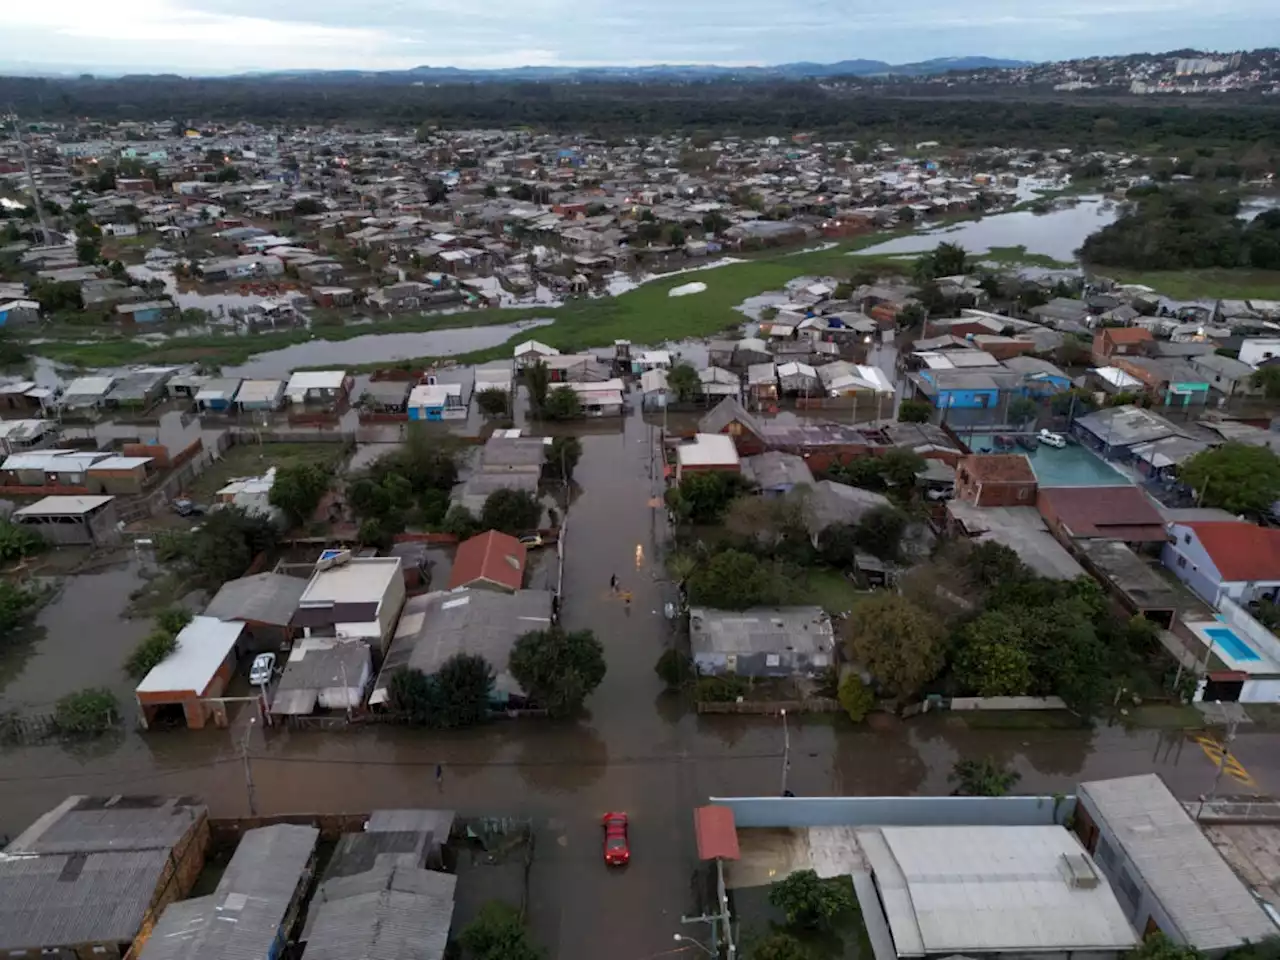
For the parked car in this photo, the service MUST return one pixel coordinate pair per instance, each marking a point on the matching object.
(263, 669)
(1051, 438)
(617, 846)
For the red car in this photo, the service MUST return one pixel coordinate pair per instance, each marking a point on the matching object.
(617, 850)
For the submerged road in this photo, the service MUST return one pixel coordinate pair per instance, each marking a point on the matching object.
(639, 749)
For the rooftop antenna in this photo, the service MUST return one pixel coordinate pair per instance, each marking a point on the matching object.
(12, 117)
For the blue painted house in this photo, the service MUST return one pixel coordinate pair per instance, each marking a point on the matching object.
(965, 389)
(1040, 378)
(149, 311)
(437, 401)
(19, 311)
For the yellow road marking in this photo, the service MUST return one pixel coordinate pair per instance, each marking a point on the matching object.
(1233, 767)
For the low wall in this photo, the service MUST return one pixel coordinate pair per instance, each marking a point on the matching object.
(773, 707)
(898, 811)
(1007, 703)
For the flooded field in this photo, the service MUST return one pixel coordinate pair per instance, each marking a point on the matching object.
(1056, 234)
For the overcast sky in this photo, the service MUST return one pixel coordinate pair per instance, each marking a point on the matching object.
(228, 36)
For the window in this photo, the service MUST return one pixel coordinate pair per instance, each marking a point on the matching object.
(1182, 561)
(772, 660)
(1186, 538)
(1128, 890)
(1106, 853)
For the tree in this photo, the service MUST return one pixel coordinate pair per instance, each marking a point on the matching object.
(87, 250)
(734, 580)
(563, 454)
(493, 402)
(298, 489)
(675, 236)
(558, 669)
(490, 191)
(1072, 403)
(808, 901)
(306, 207)
(703, 497)
(683, 380)
(898, 467)
(673, 668)
(914, 411)
(992, 661)
(88, 712)
(1157, 946)
(897, 642)
(838, 544)
(945, 260)
(879, 532)
(18, 542)
(1023, 410)
(511, 511)
(562, 404)
(538, 378)
(150, 652)
(1268, 380)
(498, 934)
(779, 946)
(982, 778)
(459, 522)
(220, 549)
(227, 174)
(465, 688)
(1235, 477)
(415, 696)
(856, 697)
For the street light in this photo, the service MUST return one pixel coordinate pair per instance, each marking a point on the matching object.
(681, 938)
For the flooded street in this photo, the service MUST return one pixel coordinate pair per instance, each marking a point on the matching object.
(638, 748)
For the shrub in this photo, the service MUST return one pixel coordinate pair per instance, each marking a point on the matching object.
(87, 712)
(149, 653)
(725, 689)
(673, 668)
(856, 697)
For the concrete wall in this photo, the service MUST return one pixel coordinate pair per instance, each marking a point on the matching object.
(1190, 563)
(897, 811)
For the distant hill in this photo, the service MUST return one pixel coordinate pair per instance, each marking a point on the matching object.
(655, 72)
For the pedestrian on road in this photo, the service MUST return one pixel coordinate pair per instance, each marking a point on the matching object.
(439, 775)
(613, 583)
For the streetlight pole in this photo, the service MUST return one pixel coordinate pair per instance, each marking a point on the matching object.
(248, 768)
(681, 938)
(786, 752)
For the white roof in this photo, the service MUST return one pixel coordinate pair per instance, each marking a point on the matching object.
(796, 369)
(89, 386)
(971, 889)
(1211, 907)
(62, 506)
(316, 380)
(202, 646)
(433, 394)
(653, 381)
(258, 390)
(708, 449)
(877, 376)
(121, 463)
(20, 305)
(536, 346)
(358, 580)
(656, 357)
(1117, 377)
(604, 386)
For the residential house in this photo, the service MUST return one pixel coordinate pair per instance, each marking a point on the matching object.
(19, 312)
(262, 396)
(1062, 313)
(352, 598)
(719, 382)
(798, 379)
(601, 399)
(1168, 876)
(577, 368)
(1112, 342)
(762, 383)
(72, 520)
(1173, 382)
(264, 603)
(1225, 374)
(495, 376)
(437, 401)
(217, 395)
(147, 311)
(436, 626)
(324, 388)
(325, 672)
(1040, 378)
(762, 641)
(830, 502)
(93, 874)
(138, 389)
(996, 480)
(263, 888)
(186, 684)
(49, 468)
(531, 352)
(1116, 431)
(86, 393)
(1256, 351)
(1019, 528)
(959, 389)
(489, 561)
(1123, 512)
(123, 476)
(331, 297)
(707, 452)
(1225, 559)
(775, 473)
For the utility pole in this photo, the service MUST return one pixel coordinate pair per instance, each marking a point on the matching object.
(786, 752)
(31, 179)
(1232, 722)
(248, 768)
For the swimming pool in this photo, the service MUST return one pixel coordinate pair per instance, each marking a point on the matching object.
(1070, 466)
(1225, 639)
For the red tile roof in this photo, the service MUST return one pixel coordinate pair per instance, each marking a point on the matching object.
(1128, 334)
(716, 833)
(999, 468)
(1119, 513)
(1240, 551)
(492, 556)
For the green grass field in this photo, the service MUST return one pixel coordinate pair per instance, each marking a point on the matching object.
(1204, 284)
(253, 460)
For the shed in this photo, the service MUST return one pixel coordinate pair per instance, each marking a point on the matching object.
(72, 520)
(260, 395)
(120, 475)
(200, 667)
(317, 386)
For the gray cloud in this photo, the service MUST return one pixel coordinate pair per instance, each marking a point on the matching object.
(218, 36)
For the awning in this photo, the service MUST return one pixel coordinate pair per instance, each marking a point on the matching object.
(716, 832)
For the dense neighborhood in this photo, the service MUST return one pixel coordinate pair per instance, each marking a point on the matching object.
(502, 501)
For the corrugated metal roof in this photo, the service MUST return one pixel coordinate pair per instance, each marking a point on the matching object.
(270, 598)
(242, 918)
(1202, 896)
(407, 919)
(717, 835)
